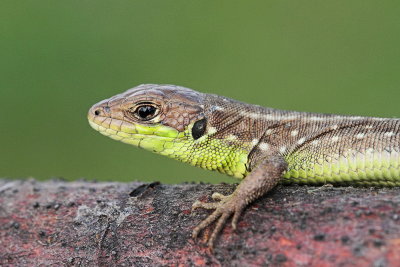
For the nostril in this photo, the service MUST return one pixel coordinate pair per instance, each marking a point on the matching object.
(97, 112)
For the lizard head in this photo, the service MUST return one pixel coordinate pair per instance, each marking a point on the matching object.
(168, 120)
(149, 115)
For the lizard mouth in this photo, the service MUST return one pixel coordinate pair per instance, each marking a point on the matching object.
(150, 136)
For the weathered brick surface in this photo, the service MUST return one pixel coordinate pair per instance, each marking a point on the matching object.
(90, 224)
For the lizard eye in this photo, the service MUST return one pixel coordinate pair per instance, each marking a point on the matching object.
(146, 111)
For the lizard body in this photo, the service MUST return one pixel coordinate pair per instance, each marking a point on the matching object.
(262, 146)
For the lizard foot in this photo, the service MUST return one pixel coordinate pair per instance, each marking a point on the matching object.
(226, 207)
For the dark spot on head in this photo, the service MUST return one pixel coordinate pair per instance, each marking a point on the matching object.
(199, 128)
(97, 112)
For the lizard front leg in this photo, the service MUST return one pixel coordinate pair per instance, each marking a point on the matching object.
(266, 174)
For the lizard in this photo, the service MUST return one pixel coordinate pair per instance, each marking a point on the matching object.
(259, 145)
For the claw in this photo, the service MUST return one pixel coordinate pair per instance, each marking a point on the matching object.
(217, 229)
(228, 206)
(211, 218)
(235, 218)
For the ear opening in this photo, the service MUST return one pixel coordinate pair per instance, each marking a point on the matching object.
(199, 128)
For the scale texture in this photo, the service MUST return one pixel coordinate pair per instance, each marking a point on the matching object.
(318, 148)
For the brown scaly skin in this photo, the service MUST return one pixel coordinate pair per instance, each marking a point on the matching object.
(277, 145)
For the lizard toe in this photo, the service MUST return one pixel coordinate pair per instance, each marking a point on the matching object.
(228, 206)
(205, 205)
(218, 196)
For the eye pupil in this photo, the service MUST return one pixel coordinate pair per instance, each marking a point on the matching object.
(146, 111)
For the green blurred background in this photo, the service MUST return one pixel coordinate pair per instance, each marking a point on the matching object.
(60, 57)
